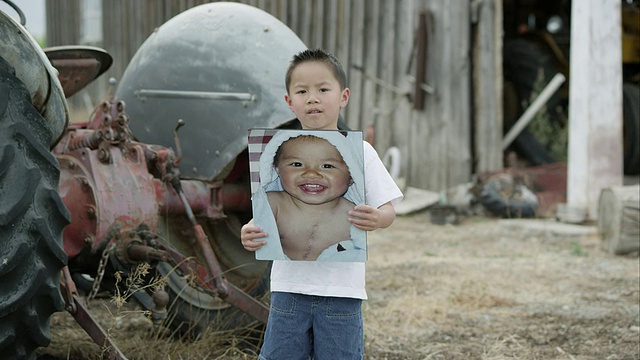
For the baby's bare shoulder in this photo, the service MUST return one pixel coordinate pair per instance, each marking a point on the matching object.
(345, 205)
(275, 195)
(275, 199)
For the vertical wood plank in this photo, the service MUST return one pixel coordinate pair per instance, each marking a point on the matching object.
(441, 131)
(386, 56)
(356, 67)
(420, 155)
(369, 91)
(343, 38)
(402, 117)
(317, 24)
(306, 23)
(437, 123)
(282, 10)
(330, 26)
(459, 139)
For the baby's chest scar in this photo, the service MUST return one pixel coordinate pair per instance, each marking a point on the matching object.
(320, 236)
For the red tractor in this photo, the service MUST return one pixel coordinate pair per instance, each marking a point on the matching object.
(158, 174)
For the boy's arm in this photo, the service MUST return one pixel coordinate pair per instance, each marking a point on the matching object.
(368, 218)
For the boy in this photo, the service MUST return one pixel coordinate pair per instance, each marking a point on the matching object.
(316, 306)
(309, 182)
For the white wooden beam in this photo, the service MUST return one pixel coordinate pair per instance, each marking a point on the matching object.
(595, 158)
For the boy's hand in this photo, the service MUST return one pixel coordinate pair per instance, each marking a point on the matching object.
(249, 233)
(367, 218)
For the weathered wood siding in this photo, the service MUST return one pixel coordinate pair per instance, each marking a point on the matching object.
(376, 42)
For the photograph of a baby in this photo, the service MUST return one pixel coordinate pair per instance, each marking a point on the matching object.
(303, 186)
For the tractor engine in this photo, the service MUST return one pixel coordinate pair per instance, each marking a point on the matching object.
(115, 188)
(128, 205)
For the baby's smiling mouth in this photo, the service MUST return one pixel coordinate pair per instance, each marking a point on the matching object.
(312, 188)
(314, 111)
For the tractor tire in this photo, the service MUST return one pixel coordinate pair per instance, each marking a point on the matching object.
(32, 217)
(631, 126)
(191, 310)
(523, 59)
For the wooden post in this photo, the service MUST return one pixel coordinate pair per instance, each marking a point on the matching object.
(619, 219)
(595, 107)
(487, 85)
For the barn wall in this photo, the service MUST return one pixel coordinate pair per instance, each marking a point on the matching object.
(377, 43)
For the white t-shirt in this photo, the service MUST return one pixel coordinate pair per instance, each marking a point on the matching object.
(339, 279)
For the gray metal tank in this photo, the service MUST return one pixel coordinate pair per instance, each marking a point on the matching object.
(220, 67)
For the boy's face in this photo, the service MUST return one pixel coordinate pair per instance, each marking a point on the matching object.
(315, 96)
(312, 170)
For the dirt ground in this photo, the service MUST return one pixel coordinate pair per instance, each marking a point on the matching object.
(483, 289)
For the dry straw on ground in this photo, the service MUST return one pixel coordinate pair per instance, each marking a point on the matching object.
(485, 289)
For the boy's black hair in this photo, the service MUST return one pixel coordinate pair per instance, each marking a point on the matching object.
(320, 56)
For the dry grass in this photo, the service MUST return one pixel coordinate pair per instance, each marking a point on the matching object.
(480, 290)
(136, 335)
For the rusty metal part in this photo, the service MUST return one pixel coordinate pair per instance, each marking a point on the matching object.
(84, 139)
(89, 323)
(78, 65)
(225, 290)
(104, 175)
(139, 253)
(246, 303)
(234, 295)
(233, 197)
(97, 193)
(95, 287)
(198, 194)
(69, 291)
(215, 270)
(79, 195)
(176, 139)
(206, 199)
(159, 311)
(127, 241)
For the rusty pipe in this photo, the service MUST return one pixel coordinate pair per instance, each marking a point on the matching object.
(204, 199)
(137, 252)
(91, 326)
(213, 265)
(234, 197)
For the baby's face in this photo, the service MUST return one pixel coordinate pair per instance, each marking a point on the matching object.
(312, 170)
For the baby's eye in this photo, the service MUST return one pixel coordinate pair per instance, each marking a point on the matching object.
(301, 92)
(324, 90)
(327, 166)
(296, 164)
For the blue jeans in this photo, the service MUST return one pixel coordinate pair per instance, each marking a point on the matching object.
(313, 327)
